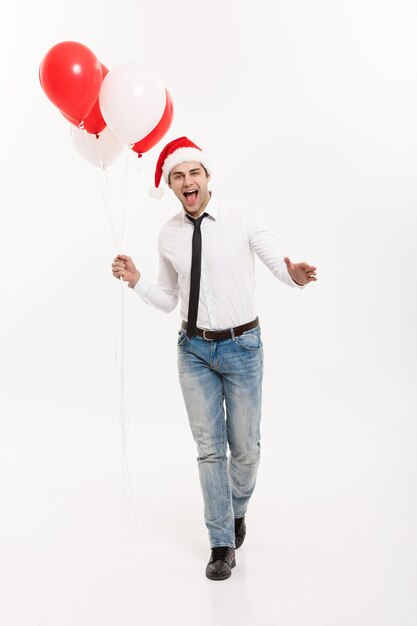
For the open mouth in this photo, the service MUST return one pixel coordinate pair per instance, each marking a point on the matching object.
(191, 196)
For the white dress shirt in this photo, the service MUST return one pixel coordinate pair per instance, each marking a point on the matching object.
(231, 236)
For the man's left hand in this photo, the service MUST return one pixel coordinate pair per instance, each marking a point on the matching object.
(301, 273)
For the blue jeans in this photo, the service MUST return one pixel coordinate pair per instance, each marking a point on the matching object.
(213, 374)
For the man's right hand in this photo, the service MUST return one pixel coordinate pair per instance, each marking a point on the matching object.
(123, 266)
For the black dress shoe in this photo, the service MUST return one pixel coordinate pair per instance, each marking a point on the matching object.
(240, 531)
(221, 562)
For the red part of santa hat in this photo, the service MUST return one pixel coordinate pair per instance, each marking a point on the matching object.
(175, 152)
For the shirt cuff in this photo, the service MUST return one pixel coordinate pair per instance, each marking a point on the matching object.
(296, 284)
(293, 283)
(143, 286)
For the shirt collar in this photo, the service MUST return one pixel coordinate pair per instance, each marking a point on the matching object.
(212, 209)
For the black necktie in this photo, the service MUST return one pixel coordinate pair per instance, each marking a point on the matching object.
(195, 275)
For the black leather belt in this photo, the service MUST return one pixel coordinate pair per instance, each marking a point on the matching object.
(214, 335)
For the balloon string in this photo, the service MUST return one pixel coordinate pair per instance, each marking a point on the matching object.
(124, 416)
(124, 222)
(120, 333)
(102, 179)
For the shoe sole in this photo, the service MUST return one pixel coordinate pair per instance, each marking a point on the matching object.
(225, 576)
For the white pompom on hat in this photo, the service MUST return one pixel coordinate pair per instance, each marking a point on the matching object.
(175, 152)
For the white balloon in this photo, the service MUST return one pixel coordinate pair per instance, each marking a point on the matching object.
(101, 151)
(132, 101)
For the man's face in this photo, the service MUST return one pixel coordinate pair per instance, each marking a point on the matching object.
(189, 183)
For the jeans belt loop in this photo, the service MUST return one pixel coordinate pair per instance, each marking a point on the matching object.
(232, 332)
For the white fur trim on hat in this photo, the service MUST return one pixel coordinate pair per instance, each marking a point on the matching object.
(184, 154)
(156, 192)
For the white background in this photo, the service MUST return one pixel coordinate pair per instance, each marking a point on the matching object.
(308, 112)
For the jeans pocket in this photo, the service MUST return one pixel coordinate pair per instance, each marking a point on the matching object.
(182, 336)
(250, 339)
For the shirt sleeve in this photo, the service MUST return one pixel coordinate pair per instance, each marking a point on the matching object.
(265, 245)
(163, 296)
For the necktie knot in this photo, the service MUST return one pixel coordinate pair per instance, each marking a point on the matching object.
(196, 222)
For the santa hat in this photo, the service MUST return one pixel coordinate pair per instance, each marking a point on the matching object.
(175, 152)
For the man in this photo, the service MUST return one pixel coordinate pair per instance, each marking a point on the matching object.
(206, 259)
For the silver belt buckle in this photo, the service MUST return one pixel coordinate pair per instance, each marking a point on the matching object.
(204, 335)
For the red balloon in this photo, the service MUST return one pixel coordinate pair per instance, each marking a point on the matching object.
(94, 122)
(159, 131)
(70, 75)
